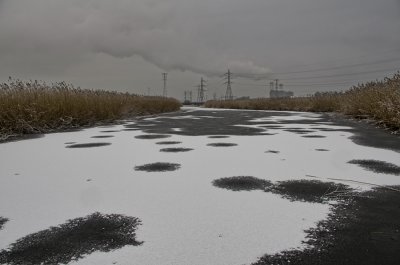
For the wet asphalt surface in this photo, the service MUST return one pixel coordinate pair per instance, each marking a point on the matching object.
(363, 227)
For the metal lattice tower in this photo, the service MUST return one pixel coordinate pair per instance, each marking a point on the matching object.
(201, 91)
(228, 93)
(165, 93)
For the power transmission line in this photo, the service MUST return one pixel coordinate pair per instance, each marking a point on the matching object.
(389, 51)
(340, 75)
(397, 50)
(339, 67)
(301, 84)
(337, 75)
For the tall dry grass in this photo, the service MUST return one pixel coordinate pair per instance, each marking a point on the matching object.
(379, 101)
(37, 107)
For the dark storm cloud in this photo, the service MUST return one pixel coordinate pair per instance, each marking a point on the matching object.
(206, 37)
(167, 34)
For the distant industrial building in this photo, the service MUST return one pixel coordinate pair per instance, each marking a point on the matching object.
(278, 92)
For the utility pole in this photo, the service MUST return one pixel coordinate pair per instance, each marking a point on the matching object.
(228, 78)
(190, 96)
(276, 84)
(165, 94)
(148, 91)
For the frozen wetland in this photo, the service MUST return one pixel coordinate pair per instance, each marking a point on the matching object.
(185, 219)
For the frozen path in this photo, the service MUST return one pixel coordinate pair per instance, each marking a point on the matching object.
(185, 219)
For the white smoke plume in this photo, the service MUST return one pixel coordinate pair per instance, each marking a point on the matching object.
(159, 31)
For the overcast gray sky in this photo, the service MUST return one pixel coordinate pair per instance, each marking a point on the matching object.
(125, 45)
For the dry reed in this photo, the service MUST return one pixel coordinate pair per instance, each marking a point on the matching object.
(378, 101)
(38, 107)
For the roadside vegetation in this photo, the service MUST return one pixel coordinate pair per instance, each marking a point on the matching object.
(378, 101)
(28, 107)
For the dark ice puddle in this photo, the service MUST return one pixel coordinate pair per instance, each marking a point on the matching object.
(73, 240)
(102, 136)
(218, 136)
(313, 136)
(299, 131)
(152, 136)
(158, 167)
(110, 131)
(308, 190)
(272, 152)
(377, 166)
(294, 190)
(88, 145)
(361, 230)
(175, 150)
(242, 183)
(222, 144)
(168, 143)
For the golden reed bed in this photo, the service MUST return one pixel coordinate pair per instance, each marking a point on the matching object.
(38, 107)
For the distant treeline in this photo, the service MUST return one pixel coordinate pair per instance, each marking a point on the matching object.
(379, 101)
(28, 107)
